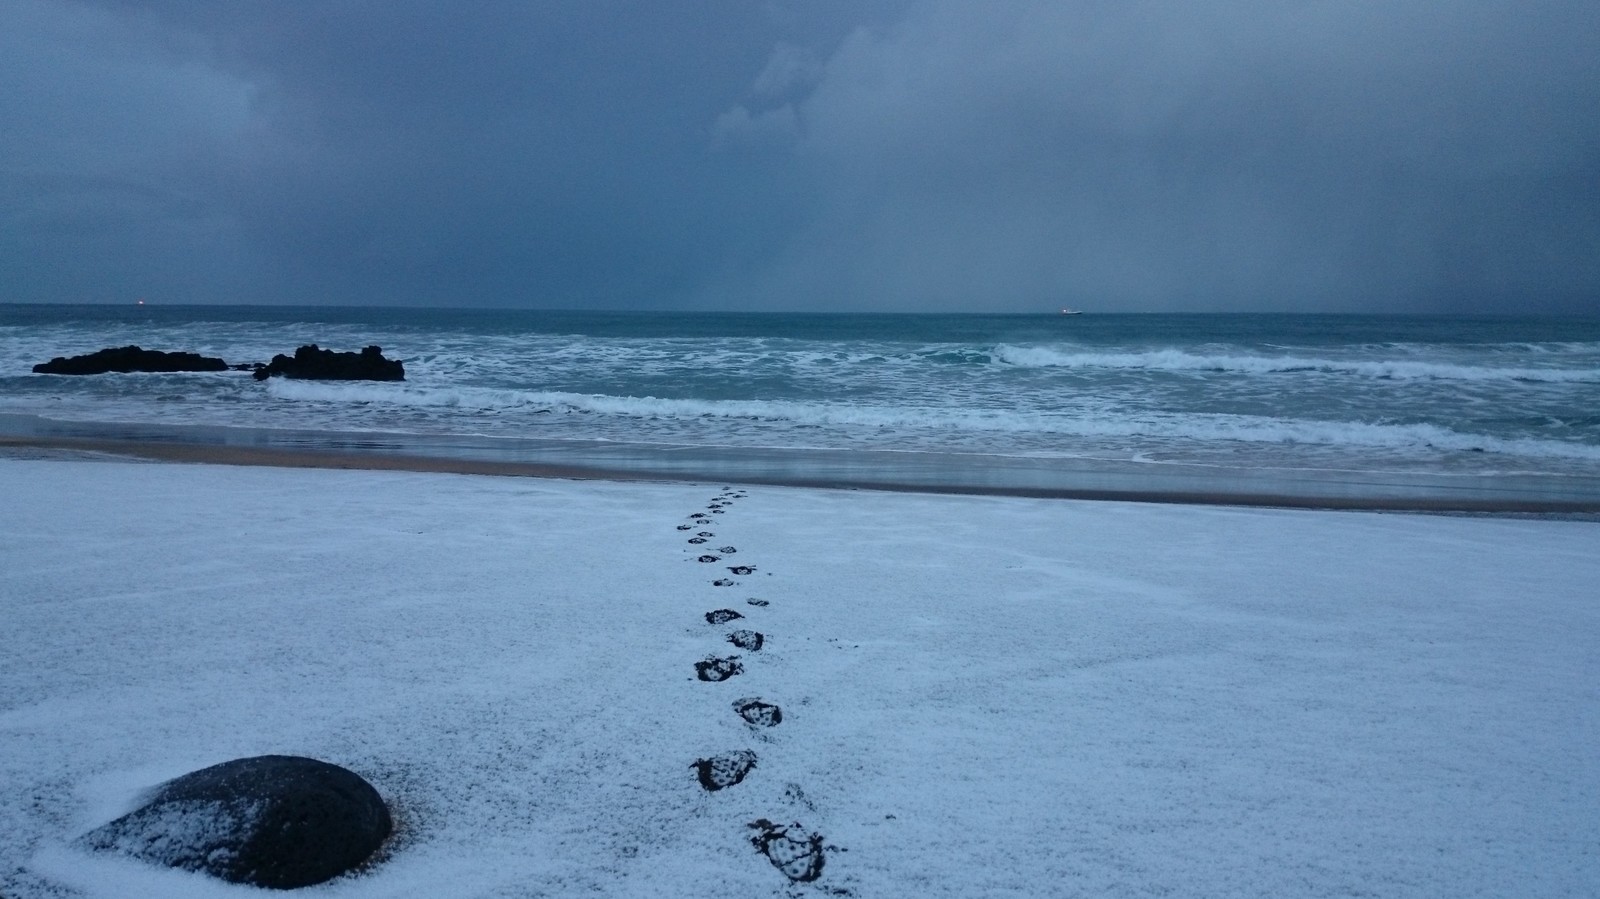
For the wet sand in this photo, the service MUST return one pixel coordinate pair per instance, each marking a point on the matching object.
(379, 454)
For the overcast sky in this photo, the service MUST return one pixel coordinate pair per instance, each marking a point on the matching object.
(938, 155)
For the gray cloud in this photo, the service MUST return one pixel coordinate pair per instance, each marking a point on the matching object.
(1188, 156)
(109, 133)
(905, 154)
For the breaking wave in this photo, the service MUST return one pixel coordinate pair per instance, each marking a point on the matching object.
(1172, 360)
(781, 416)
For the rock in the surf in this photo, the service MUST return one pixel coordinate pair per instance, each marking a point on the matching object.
(128, 359)
(311, 362)
(269, 821)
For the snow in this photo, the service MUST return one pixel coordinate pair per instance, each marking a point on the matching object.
(981, 696)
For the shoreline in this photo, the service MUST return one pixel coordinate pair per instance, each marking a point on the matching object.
(347, 459)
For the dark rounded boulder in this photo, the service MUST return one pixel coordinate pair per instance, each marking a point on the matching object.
(271, 821)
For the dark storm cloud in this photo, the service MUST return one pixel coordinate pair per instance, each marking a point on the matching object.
(896, 155)
(1167, 155)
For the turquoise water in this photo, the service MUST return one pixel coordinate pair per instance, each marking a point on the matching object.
(1482, 399)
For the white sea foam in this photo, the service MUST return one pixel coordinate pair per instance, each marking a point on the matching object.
(1173, 360)
(1087, 424)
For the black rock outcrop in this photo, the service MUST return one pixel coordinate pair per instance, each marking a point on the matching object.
(128, 359)
(311, 362)
(270, 821)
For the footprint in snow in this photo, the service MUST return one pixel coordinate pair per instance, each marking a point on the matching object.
(739, 569)
(724, 582)
(713, 669)
(722, 616)
(750, 641)
(757, 713)
(761, 603)
(726, 550)
(708, 558)
(697, 540)
(792, 849)
(722, 771)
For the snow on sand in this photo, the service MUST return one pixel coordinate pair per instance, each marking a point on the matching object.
(980, 696)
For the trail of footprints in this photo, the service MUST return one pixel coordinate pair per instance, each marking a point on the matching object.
(792, 849)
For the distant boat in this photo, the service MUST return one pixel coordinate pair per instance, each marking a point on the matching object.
(1072, 312)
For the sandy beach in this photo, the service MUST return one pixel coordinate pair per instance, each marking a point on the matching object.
(993, 696)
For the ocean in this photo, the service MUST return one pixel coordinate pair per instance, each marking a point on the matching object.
(1095, 404)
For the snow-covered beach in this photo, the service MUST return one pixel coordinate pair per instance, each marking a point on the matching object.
(981, 696)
